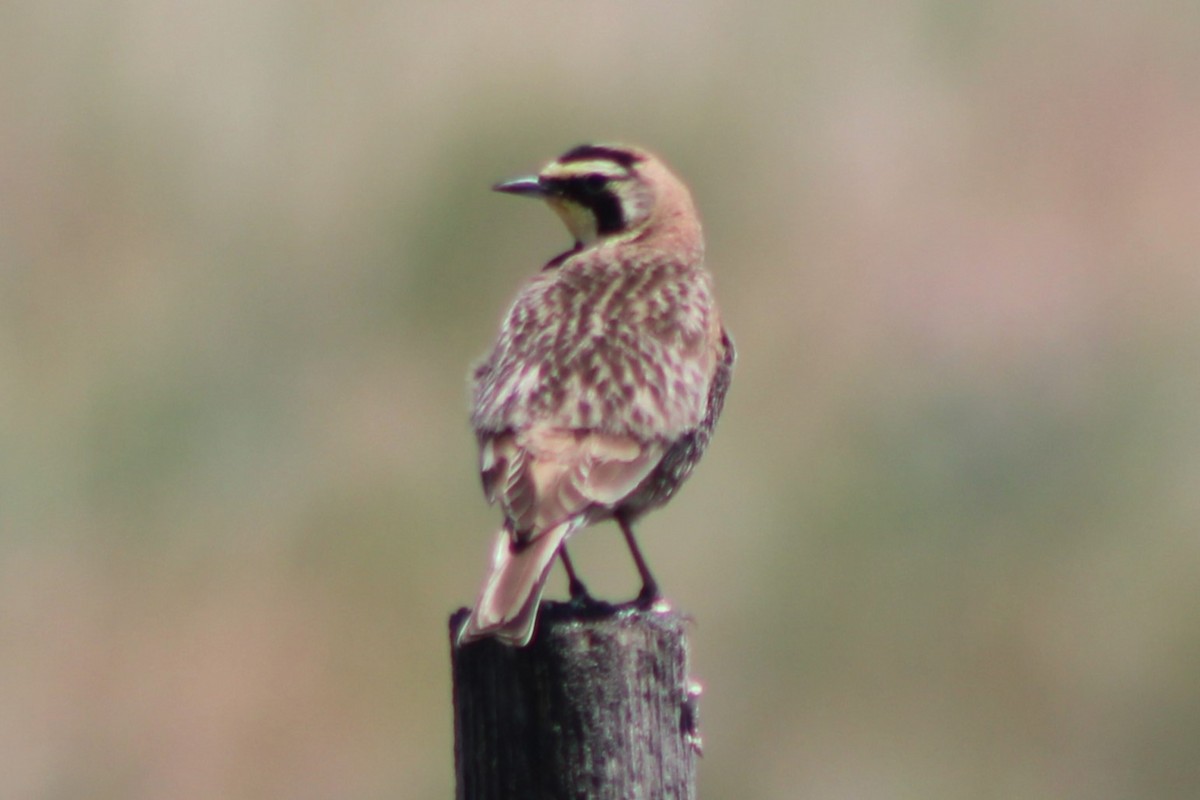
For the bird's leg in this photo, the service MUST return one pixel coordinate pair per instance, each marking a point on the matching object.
(649, 593)
(579, 592)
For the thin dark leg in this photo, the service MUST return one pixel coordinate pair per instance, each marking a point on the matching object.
(649, 593)
(574, 585)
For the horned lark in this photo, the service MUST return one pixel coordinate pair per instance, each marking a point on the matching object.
(607, 377)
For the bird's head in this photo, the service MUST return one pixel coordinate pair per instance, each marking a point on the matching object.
(604, 191)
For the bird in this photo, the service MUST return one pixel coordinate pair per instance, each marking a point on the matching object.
(605, 381)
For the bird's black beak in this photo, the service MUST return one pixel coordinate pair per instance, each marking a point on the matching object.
(526, 187)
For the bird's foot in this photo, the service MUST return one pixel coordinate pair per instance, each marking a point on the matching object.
(648, 597)
(580, 596)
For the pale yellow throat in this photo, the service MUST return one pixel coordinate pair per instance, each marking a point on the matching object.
(580, 221)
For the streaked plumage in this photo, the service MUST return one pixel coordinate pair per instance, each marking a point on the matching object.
(606, 380)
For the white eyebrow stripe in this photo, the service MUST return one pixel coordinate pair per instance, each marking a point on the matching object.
(599, 166)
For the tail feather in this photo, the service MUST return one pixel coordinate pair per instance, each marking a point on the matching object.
(508, 603)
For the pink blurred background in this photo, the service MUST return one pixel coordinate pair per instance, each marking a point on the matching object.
(947, 539)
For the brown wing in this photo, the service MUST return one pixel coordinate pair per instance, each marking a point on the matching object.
(544, 476)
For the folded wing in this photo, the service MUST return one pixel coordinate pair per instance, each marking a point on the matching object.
(549, 482)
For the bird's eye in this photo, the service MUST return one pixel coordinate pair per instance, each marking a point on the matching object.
(594, 182)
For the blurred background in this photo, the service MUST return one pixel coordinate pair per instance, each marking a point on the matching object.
(946, 541)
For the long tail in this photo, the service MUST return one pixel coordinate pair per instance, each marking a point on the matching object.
(508, 603)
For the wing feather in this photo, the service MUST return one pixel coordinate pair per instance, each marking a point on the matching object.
(546, 475)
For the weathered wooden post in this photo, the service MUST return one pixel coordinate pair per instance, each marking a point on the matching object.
(599, 705)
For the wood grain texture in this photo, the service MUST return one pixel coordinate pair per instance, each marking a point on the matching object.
(597, 706)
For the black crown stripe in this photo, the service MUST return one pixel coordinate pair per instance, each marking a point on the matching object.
(589, 152)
